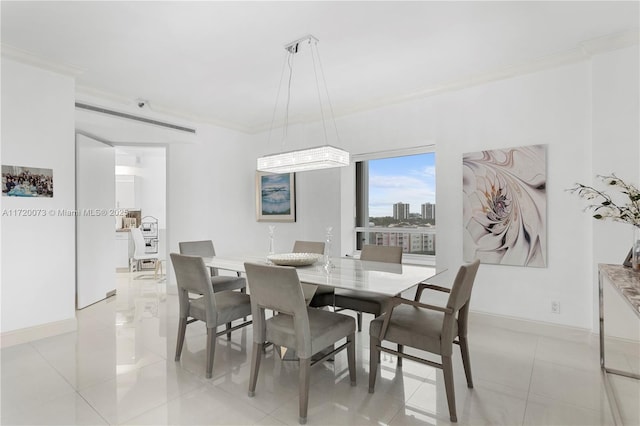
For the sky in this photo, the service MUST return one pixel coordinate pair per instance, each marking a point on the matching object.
(410, 179)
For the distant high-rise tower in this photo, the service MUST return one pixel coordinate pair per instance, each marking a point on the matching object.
(428, 211)
(400, 211)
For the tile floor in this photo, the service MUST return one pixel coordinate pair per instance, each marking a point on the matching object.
(118, 368)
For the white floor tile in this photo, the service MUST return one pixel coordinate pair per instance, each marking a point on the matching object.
(569, 385)
(205, 405)
(487, 403)
(569, 353)
(131, 394)
(341, 404)
(627, 394)
(549, 412)
(70, 409)
(30, 389)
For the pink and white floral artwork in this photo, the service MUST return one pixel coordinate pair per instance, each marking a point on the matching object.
(505, 206)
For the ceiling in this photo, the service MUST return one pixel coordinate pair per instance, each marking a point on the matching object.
(221, 62)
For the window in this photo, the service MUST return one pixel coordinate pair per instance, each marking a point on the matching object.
(396, 203)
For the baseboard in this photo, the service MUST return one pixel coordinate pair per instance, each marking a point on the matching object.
(25, 335)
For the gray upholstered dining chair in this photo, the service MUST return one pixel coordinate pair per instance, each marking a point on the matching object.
(368, 302)
(205, 249)
(429, 328)
(308, 247)
(214, 309)
(296, 326)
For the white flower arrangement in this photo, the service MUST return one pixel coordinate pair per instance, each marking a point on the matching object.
(606, 208)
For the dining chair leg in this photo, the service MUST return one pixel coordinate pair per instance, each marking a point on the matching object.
(305, 375)
(374, 361)
(256, 357)
(211, 350)
(351, 357)
(243, 290)
(359, 321)
(182, 328)
(228, 332)
(447, 369)
(466, 361)
(400, 349)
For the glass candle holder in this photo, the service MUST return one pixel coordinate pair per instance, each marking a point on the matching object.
(272, 229)
(328, 264)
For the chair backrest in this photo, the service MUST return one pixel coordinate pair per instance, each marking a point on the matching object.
(278, 288)
(459, 299)
(308, 247)
(387, 254)
(192, 276)
(197, 248)
(462, 286)
(138, 242)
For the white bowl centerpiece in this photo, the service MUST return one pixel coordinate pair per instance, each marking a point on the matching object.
(294, 259)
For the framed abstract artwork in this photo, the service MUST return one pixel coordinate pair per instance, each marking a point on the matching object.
(505, 206)
(275, 197)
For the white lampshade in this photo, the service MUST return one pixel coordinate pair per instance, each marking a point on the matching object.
(319, 157)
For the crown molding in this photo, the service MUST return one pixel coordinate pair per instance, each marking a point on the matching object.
(30, 58)
(611, 42)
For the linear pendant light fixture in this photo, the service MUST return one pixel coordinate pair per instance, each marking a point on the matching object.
(318, 157)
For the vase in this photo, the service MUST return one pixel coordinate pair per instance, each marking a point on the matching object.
(635, 249)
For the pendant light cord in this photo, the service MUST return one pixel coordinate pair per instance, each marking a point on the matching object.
(286, 114)
(326, 89)
(315, 73)
(275, 106)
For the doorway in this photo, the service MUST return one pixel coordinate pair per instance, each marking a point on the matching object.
(140, 191)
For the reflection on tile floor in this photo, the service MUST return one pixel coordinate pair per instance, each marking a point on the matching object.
(118, 368)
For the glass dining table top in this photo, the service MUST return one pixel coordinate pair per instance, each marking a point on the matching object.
(347, 273)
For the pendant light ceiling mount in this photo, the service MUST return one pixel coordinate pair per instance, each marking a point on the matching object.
(318, 157)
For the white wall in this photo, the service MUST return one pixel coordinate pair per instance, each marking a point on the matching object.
(152, 189)
(38, 253)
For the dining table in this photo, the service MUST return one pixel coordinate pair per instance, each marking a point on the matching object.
(349, 273)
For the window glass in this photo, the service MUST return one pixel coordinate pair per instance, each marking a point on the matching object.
(396, 202)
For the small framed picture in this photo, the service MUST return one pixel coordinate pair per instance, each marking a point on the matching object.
(275, 197)
(22, 181)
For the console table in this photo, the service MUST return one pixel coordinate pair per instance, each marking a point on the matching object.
(627, 283)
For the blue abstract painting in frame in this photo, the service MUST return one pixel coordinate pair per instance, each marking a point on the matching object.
(275, 197)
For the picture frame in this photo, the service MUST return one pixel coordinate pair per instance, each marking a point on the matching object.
(505, 206)
(275, 197)
(27, 182)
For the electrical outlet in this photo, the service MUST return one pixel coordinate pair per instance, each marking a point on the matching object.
(555, 306)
